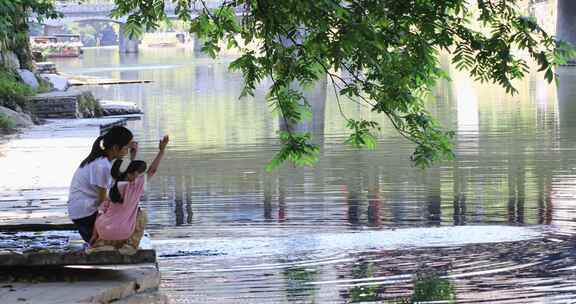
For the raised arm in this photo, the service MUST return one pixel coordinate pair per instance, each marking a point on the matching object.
(156, 162)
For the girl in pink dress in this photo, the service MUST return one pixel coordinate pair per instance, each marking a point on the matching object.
(121, 222)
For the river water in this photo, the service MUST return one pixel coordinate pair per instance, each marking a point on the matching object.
(495, 225)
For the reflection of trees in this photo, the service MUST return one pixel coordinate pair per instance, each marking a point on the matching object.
(514, 136)
(316, 97)
(287, 177)
(183, 200)
(516, 193)
(362, 209)
(267, 198)
(128, 60)
(512, 141)
(281, 200)
(374, 206)
(434, 199)
(430, 287)
(298, 287)
(204, 79)
(363, 292)
(353, 202)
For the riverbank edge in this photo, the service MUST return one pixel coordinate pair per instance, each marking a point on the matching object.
(136, 284)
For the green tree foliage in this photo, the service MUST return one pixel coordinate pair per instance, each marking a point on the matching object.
(14, 17)
(388, 49)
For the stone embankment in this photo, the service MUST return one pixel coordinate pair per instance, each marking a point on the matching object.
(59, 102)
(65, 105)
(79, 105)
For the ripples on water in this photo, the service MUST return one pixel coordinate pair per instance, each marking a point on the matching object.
(493, 226)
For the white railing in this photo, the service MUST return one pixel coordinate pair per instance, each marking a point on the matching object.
(84, 8)
(106, 7)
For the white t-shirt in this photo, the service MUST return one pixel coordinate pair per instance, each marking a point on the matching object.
(83, 197)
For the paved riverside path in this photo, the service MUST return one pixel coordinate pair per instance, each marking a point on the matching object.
(74, 285)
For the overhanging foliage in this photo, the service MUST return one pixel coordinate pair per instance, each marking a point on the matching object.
(389, 48)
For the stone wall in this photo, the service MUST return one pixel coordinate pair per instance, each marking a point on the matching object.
(65, 105)
(56, 105)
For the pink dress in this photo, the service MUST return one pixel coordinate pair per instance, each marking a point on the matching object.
(117, 222)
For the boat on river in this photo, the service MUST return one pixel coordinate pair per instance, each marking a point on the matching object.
(163, 40)
(61, 45)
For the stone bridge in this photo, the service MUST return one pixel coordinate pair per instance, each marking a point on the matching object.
(101, 10)
(93, 11)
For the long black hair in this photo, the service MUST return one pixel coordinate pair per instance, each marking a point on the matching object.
(116, 136)
(134, 166)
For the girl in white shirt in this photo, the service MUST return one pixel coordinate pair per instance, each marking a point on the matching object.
(92, 179)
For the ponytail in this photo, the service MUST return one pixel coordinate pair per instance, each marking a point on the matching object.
(114, 194)
(115, 172)
(96, 151)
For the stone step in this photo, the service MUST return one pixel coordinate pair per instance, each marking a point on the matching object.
(68, 258)
(65, 105)
(79, 105)
(81, 285)
(57, 105)
(62, 248)
(38, 227)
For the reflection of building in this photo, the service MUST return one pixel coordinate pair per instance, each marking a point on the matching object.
(545, 13)
(108, 36)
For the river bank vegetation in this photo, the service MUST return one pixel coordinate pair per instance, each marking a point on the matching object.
(15, 53)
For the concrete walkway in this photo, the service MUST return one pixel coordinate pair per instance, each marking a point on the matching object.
(81, 285)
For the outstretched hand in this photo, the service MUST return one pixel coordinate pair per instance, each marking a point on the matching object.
(163, 143)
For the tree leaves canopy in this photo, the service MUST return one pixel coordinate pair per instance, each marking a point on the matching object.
(388, 50)
(15, 13)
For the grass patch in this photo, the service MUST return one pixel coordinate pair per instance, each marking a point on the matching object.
(89, 106)
(6, 123)
(44, 86)
(13, 93)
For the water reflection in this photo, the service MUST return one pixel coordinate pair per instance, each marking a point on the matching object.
(298, 287)
(431, 287)
(183, 201)
(337, 231)
(316, 98)
(363, 292)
